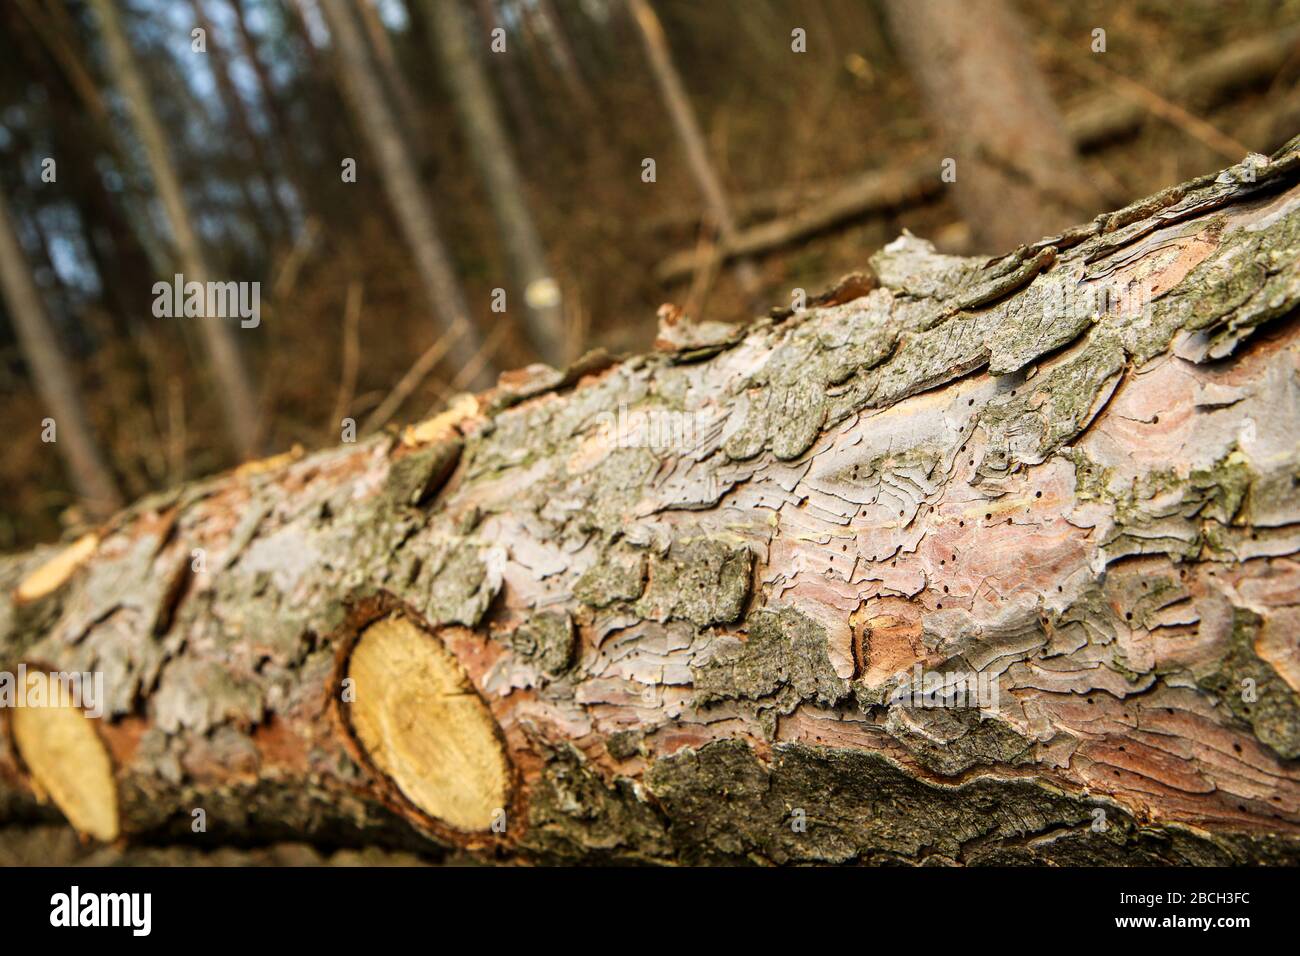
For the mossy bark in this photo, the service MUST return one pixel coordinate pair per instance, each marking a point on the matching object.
(1071, 473)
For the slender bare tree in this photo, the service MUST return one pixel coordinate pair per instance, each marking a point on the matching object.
(266, 88)
(411, 204)
(233, 385)
(238, 113)
(490, 148)
(53, 377)
(390, 70)
(523, 110)
(557, 41)
(688, 130)
(281, 126)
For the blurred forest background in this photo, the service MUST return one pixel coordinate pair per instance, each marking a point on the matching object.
(501, 144)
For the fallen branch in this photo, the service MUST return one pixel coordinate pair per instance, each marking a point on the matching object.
(1091, 124)
(870, 192)
(1103, 118)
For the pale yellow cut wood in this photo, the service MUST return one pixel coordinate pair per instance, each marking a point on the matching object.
(70, 764)
(261, 466)
(49, 576)
(418, 717)
(440, 426)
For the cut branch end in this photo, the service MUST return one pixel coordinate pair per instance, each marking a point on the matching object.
(420, 721)
(69, 763)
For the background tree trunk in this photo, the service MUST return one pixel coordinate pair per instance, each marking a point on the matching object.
(238, 114)
(522, 111)
(493, 155)
(557, 41)
(381, 44)
(688, 131)
(280, 126)
(233, 385)
(51, 375)
(1018, 176)
(664, 610)
(411, 204)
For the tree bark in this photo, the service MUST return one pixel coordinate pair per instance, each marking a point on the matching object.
(233, 385)
(673, 609)
(52, 376)
(412, 207)
(492, 153)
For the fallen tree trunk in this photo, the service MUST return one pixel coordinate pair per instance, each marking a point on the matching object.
(994, 561)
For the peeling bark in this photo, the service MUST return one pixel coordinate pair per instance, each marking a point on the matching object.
(683, 585)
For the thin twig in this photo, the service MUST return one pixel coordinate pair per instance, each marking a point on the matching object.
(351, 353)
(708, 257)
(176, 434)
(481, 358)
(414, 376)
(577, 322)
(287, 276)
